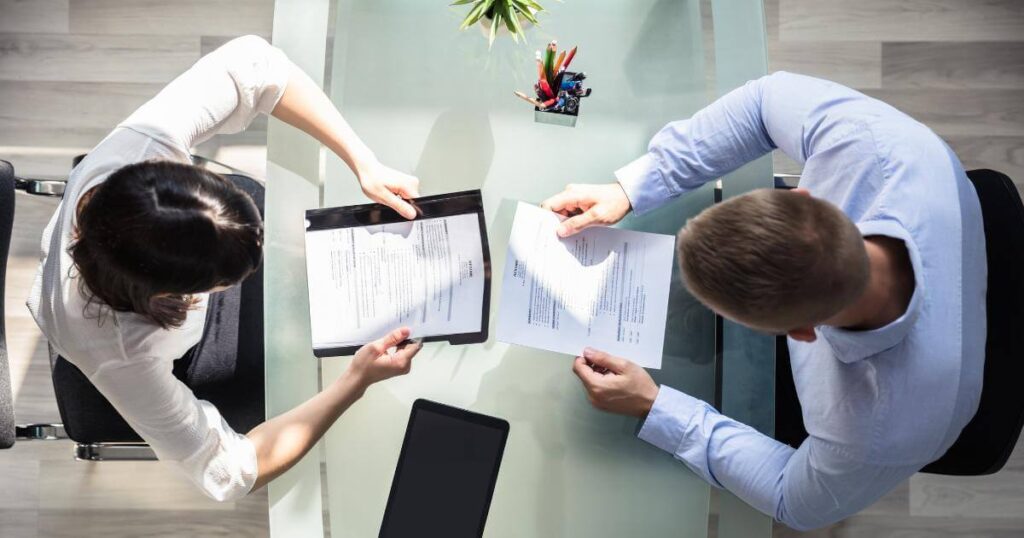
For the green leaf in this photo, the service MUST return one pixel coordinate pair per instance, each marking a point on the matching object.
(515, 23)
(462, 2)
(474, 15)
(524, 10)
(494, 32)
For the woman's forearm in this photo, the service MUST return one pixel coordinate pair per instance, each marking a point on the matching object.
(283, 440)
(305, 106)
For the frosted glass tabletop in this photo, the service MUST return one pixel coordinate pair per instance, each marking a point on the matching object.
(436, 102)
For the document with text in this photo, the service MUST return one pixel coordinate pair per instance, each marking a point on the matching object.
(606, 288)
(428, 274)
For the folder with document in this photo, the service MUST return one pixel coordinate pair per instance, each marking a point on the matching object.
(370, 271)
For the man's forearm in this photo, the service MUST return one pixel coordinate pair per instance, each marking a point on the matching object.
(283, 440)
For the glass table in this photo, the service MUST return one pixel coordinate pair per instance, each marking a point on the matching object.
(438, 103)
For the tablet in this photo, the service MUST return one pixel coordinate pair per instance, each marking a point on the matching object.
(446, 473)
(369, 271)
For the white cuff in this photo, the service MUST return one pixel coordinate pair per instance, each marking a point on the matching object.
(643, 182)
(669, 417)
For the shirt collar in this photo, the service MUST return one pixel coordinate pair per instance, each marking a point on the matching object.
(852, 346)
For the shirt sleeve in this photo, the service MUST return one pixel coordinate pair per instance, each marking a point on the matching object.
(179, 427)
(779, 111)
(222, 93)
(805, 488)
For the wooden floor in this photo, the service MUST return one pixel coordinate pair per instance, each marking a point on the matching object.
(70, 69)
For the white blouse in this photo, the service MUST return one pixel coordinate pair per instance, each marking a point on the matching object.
(128, 358)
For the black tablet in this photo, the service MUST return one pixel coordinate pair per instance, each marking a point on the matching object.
(446, 473)
(370, 271)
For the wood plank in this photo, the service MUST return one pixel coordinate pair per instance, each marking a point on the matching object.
(126, 485)
(1002, 153)
(953, 65)
(95, 58)
(184, 17)
(151, 524)
(19, 523)
(34, 16)
(856, 64)
(910, 527)
(993, 496)
(961, 112)
(41, 163)
(907, 20)
(66, 114)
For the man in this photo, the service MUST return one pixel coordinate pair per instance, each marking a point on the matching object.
(874, 268)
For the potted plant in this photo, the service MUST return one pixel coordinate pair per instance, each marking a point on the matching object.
(500, 15)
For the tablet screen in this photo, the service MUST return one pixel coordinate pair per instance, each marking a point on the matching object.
(446, 473)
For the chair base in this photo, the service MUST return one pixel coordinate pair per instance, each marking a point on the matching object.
(40, 432)
(87, 451)
(114, 452)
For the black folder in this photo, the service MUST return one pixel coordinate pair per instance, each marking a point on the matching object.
(427, 207)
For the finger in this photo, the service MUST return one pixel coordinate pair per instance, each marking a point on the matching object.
(573, 225)
(407, 187)
(390, 340)
(407, 350)
(604, 360)
(586, 374)
(405, 209)
(563, 201)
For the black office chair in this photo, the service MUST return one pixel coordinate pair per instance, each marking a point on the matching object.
(987, 441)
(229, 375)
(7, 423)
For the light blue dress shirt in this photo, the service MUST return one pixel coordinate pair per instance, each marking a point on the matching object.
(878, 404)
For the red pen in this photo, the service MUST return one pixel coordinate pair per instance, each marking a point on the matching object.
(547, 88)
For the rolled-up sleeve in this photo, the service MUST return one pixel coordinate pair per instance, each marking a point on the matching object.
(805, 488)
(222, 93)
(180, 428)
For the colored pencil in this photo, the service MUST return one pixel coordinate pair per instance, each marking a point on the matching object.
(528, 99)
(558, 62)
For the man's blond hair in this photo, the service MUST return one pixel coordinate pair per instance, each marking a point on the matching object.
(775, 260)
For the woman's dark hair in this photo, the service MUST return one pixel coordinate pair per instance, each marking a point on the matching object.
(156, 232)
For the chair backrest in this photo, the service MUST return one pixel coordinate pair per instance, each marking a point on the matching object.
(7, 425)
(988, 439)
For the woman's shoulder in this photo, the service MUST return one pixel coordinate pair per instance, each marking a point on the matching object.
(92, 336)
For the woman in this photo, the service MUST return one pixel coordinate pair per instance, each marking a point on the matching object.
(143, 237)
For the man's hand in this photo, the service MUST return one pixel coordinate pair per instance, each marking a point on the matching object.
(615, 385)
(389, 186)
(377, 360)
(588, 205)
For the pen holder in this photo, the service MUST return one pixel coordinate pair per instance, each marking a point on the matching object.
(567, 108)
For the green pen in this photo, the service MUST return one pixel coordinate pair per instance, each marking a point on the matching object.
(549, 61)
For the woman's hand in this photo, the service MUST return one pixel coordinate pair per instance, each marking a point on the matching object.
(588, 205)
(389, 186)
(385, 358)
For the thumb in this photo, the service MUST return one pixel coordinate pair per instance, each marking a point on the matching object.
(573, 225)
(604, 360)
(390, 340)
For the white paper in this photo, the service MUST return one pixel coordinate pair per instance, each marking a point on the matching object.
(605, 288)
(427, 274)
